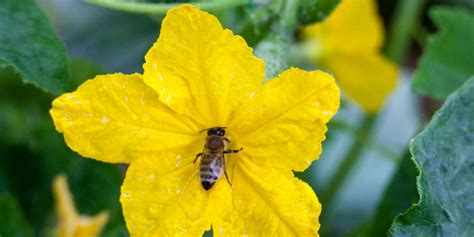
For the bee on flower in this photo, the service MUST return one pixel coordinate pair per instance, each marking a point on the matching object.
(213, 162)
(200, 77)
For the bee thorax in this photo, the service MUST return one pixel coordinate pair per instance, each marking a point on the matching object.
(215, 143)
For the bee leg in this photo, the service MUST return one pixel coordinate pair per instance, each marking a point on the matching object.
(227, 140)
(225, 173)
(197, 156)
(227, 177)
(233, 151)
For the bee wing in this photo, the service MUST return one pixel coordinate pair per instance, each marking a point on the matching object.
(217, 164)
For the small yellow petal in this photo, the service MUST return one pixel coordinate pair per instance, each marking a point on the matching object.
(349, 42)
(284, 124)
(354, 26)
(91, 226)
(65, 207)
(367, 78)
(269, 202)
(200, 69)
(118, 118)
(71, 224)
(162, 196)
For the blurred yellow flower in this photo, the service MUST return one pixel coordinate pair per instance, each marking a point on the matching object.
(197, 76)
(71, 224)
(348, 44)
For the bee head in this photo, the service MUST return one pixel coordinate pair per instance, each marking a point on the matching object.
(218, 131)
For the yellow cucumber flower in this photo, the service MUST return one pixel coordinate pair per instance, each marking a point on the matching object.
(348, 44)
(199, 76)
(71, 224)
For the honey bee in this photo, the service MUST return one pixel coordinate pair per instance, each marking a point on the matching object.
(212, 163)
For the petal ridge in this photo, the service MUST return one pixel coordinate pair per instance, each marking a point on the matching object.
(269, 200)
(201, 75)
(156, 200)
(118, 118)
(285, 122)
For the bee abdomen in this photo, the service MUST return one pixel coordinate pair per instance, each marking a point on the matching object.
(209, 176)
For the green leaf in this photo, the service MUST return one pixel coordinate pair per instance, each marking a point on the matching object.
(399, 195)
(29, 44)
(20, 116)
(448, 60)
(311, 11)
(444, 154)
(12, 221)
(258, 22)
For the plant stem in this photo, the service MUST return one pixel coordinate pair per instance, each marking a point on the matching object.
(289, 15)
(405, 18)
(362, 134)
(162, 8)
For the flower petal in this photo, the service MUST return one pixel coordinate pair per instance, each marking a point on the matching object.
(367, 78)
(284, 124)
(268, 202)
(117, 118)
(163, 197)
(70, 223)
(200, 69)
(354, 26)
(91, 226)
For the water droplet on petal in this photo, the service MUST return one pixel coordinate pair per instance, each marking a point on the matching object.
(105, 120)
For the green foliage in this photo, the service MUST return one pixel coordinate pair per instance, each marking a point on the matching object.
(311, 11)
(12, 221)
(448, 60)
(258, 22)
(81, 70)
(95, 185)
(33, 153)
(400, 194)
(274, 47)
(443, 152)
(29, 44)
(273, 50)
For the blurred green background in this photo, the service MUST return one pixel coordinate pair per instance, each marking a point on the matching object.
(100, 40)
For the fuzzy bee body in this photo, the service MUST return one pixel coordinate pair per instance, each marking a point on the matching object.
(211, 169)
(212, 164)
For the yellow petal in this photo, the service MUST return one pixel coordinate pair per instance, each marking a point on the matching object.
(268, 202)
(65, 208)
(200, 69)
(91, 226)
(70, 223)
(117, 118)
(163, 197)
(354, 26)
(367, 78)
(284, 124)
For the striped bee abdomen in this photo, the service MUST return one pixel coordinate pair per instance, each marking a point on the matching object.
(211, 169)
(212, 164)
